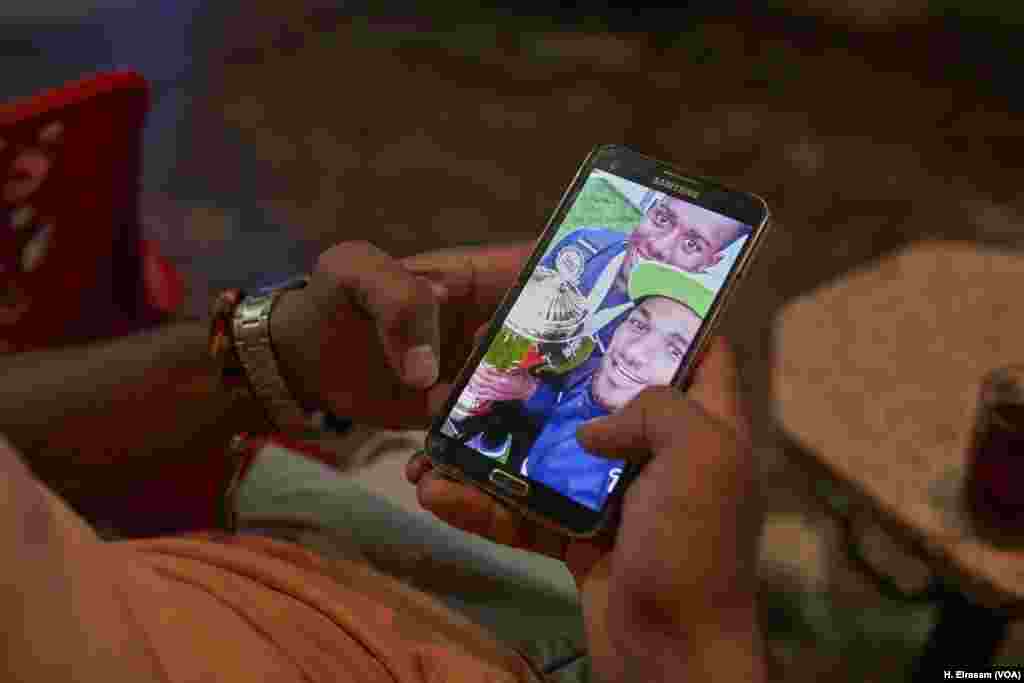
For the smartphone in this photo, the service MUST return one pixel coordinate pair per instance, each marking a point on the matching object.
(623, 291)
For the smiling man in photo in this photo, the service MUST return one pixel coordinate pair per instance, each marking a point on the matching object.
(645, 350)
(672, 231)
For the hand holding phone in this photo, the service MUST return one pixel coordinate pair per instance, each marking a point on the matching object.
(683, 558)
(474, 280)
(622, 293)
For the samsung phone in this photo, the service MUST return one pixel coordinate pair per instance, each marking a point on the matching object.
(623, 291)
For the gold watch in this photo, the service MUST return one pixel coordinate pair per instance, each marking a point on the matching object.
(255, 349)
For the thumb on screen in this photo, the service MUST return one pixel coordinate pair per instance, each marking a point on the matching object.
(658, 415)
(645, 424)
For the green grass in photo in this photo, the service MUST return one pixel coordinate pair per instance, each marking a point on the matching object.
(599, 205)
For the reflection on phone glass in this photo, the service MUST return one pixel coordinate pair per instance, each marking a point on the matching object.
(611, 308)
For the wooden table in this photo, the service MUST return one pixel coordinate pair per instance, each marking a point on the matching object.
(877, 379)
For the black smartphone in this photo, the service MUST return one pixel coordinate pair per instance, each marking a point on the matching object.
(623, 291)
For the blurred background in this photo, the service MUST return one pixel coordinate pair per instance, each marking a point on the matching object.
(278, 129)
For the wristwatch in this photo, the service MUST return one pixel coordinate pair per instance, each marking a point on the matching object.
(255, 349)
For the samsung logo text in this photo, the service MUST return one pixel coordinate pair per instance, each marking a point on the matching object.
(678, 188)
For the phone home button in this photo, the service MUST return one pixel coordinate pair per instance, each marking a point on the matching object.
(509, 484)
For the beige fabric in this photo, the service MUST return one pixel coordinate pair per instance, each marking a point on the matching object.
(247, 608)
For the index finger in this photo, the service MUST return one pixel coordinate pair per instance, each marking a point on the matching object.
(477, 275)
(403, 307)
(475, 279)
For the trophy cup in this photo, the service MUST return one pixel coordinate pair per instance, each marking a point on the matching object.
(543, 329)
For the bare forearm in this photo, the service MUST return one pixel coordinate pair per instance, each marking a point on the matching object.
(130, 401)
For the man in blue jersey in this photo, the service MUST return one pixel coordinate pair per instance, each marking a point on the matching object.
(539, 429)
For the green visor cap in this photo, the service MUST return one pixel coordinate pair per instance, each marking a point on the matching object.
(651, 278)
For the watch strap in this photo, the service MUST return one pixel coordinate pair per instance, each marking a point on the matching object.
(255, 350)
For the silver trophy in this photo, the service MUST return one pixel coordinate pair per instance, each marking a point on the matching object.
(548, 315)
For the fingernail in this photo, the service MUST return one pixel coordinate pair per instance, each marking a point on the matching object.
(439, 290)
(420, 366)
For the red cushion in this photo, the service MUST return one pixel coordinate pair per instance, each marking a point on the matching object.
(70, 267)
(164, 285)
(74, 267)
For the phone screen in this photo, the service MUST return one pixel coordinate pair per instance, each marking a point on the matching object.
(611, 307)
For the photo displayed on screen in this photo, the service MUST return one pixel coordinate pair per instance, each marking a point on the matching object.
(611, 308)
